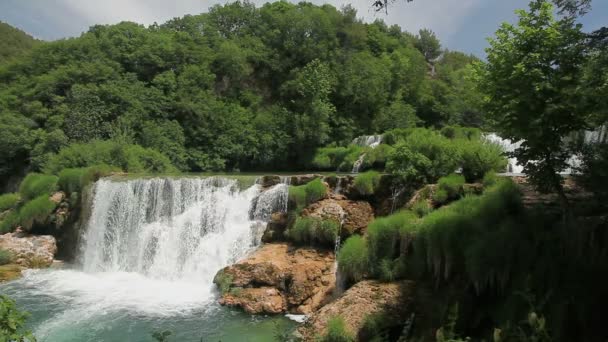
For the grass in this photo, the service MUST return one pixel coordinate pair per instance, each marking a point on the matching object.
(422, 207)
(70, 180)
(336, 331)
(9, 222)
(303, 195)
(367, 182)
(36, 211)
(384, 236)
(36, 184)
(314, 231)
(353, 258)
(8, 201)
(5, 257)
(452, 185)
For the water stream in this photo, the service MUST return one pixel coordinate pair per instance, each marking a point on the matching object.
(148, 256)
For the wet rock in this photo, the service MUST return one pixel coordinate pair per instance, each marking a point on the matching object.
(354, 215)
(256, 300)
(269, 181)
(29, 250)
(363, 299)
(275, 229)
(303, 278)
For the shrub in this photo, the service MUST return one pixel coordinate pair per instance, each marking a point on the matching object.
(5, 257)
(12, 322)
(315, 190)
(9, 222)
(480, 157)
(375, 158)
(70, 180)
(130, 158)
(489, 179)
(312, 230)
(352, 258)
(452, 185)
(336, 331)
(93, 173)
(383, 237)
(329, 158)
(423, 156)
(8, 201)
(422, 208)
(35, 184)
(376, 327)
(36, 211)
(440, 196)
(366, 183)
(458, 132)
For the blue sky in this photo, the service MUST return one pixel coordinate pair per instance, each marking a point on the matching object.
(460, 24)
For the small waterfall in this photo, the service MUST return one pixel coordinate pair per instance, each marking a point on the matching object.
(368, 140)
(340, 281)
(358, 163)
(371, 141)
(508, 146)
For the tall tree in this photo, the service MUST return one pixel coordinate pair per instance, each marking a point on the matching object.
(428, 43)
(531, 83)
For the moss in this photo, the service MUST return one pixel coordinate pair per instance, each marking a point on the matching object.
(223, 281)
(8, 201)
(10, 272)
(366, 183)
(35, 185)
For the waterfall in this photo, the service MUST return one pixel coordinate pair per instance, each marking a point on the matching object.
(508, 146)
(371, 141)
(367, 140)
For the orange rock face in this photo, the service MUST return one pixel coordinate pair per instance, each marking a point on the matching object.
(276, 278)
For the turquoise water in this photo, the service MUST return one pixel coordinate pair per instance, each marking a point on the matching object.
(62, 313)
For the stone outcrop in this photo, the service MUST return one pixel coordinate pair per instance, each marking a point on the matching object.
(29, 250)
(354, 215)
(364, 298)
(269, 181)
(275, 228)
(277, 278)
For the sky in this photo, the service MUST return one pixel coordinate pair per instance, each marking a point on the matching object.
(461, 25)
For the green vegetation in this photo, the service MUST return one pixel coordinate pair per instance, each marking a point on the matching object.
(353, 259)
(130, 158)
(336, 331)
(422, 208)
(14, 43)
(303, 195)
(35, 185)
(223, 91)
(383, 239)
(36, 211)
(366, 183)
(223, 282)
(452, 185)
(12, 322)
(314, 231)
(5, 257)
(480, 157)
(8, 201)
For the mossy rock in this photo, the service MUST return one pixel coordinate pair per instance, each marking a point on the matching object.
(10, 272)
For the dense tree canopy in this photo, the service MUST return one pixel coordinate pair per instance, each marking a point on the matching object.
(14, 43)
(238, 87)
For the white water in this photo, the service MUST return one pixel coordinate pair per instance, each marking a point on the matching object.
(153, 246)
(368, 140)
(600, 135)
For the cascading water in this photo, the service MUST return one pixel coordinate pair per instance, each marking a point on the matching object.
(149, 253)
(371, 141)
(508, 146)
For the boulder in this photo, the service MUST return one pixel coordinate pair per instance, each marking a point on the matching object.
(354, 215)
(278, 276)
(363, 299)
(29, 250)
(275, 228)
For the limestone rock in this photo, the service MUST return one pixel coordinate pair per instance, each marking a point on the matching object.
(275, 228)
(256, 300)
(303, 278)
(354, 215)
(30, 250)
(364, 298)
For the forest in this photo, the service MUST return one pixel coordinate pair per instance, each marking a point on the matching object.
(293, 88)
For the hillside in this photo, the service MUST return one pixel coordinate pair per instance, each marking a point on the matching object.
(14, 42)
